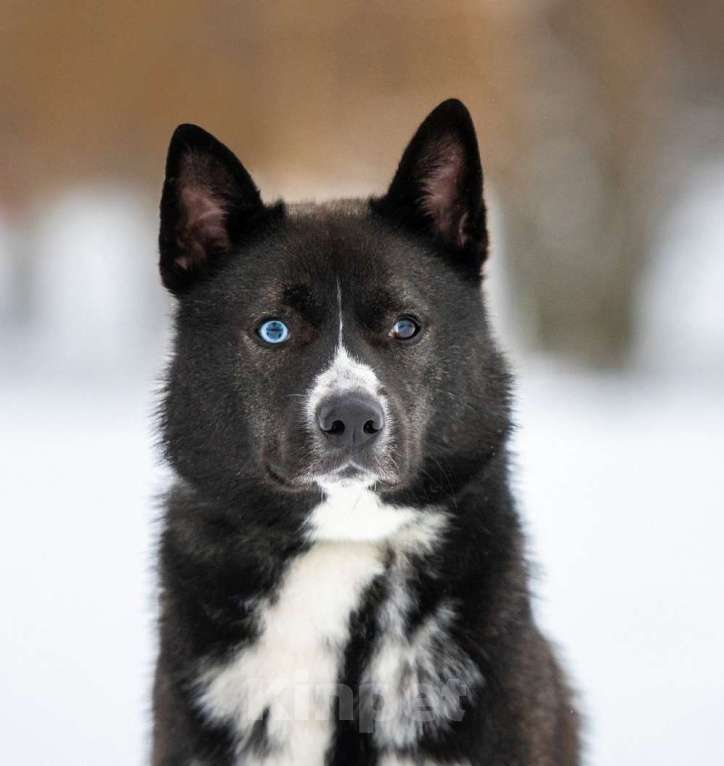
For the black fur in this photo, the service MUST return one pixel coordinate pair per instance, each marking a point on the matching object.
(232, 429)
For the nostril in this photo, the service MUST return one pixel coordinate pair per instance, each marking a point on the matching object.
(350, 421)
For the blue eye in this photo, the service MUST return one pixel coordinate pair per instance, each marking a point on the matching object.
(273, 331)
(404, 328)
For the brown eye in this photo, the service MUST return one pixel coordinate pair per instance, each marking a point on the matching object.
(405, 328)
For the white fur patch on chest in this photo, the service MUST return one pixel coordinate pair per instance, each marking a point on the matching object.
(290, 673)
(394, 760)
(354, 512)
(419, 678)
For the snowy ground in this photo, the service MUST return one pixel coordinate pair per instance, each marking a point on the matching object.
(622, 485)
(623, 491)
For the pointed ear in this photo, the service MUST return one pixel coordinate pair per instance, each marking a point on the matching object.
(438, 187)
(208, 202)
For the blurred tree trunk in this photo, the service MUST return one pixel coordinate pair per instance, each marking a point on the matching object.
(580, 196)
(602, 127)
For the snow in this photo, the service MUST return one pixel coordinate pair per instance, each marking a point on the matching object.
(622, 486)
(75, 573)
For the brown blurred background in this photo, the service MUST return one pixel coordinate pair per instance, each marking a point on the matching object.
(589, 116)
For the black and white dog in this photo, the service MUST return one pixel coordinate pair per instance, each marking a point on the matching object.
(342, 570)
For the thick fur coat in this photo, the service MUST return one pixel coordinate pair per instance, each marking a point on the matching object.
(342, 569)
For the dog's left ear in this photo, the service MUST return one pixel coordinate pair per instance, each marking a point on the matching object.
(438, 187)
(209, 202)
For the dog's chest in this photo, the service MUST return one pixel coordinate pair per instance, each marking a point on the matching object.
(277, 693)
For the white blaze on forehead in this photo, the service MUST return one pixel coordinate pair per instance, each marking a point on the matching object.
(339, 311)
(345, 374)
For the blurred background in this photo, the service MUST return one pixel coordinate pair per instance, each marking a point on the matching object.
(601, 127)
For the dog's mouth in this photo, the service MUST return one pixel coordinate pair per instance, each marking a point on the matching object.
(343, 472)
(278, 477)
(352, 471)
(348, 474)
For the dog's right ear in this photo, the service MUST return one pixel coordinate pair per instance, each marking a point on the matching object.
(209, 201)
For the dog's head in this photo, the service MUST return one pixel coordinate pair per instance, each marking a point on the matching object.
(322, 344)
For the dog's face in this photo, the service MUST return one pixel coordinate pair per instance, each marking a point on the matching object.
(335, 344)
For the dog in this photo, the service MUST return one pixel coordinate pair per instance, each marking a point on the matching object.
(342, 569)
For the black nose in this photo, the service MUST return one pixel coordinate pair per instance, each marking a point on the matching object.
(350, 420)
